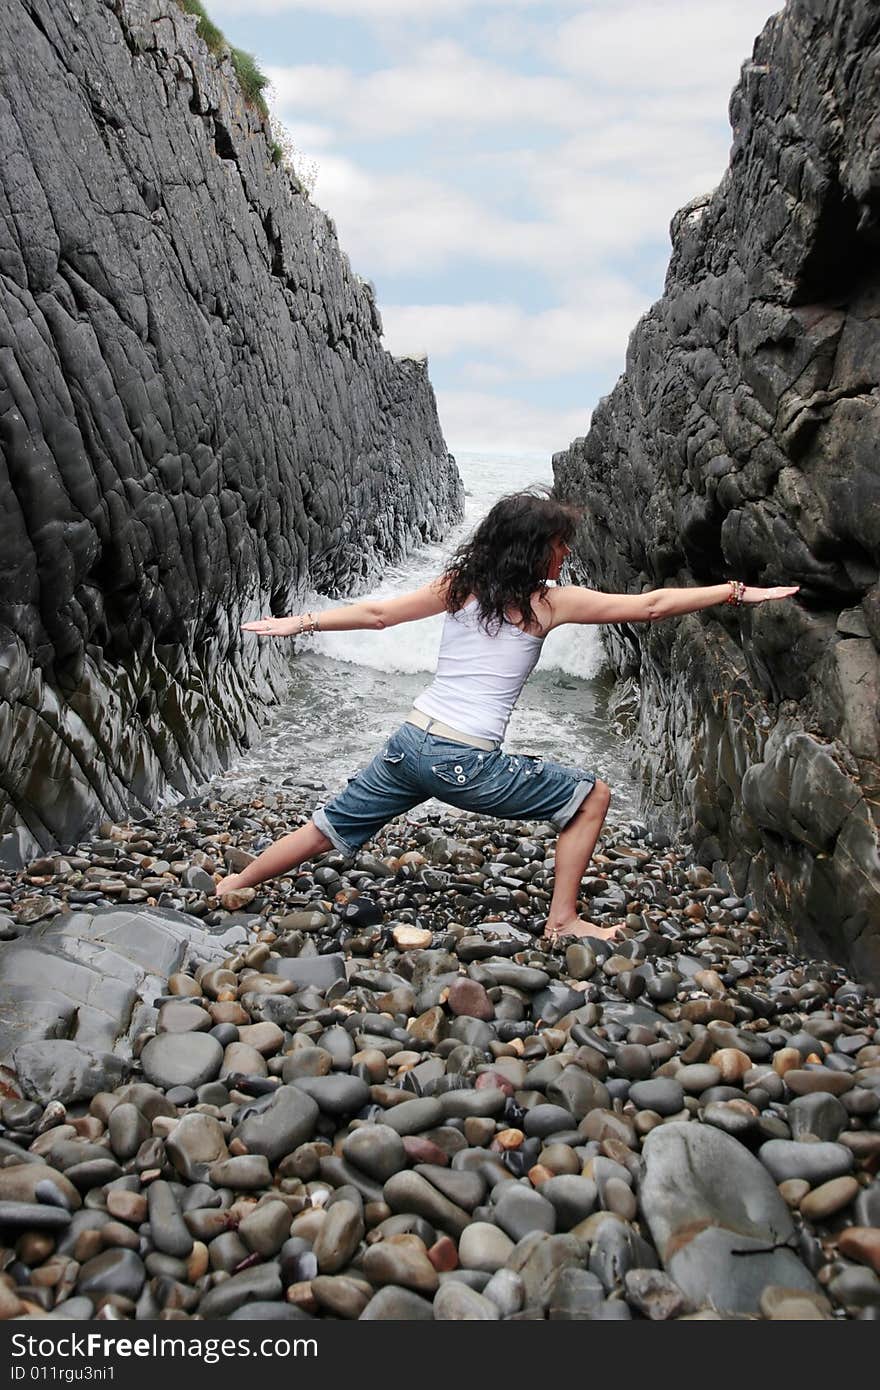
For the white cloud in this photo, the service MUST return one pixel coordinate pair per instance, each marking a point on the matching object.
(489, 423)
(442, 85)
(624, 162)
(374, 9)
(408, 222)
(588, 332)
(571, 221)
(565, 171)
(651, 45)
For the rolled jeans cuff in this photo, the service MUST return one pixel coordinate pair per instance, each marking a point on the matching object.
(333, 836)
(573, 805)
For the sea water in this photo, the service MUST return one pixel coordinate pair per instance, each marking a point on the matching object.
(348, 690)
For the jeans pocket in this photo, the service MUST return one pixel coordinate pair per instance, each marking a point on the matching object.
(394, 752)
(462, 769)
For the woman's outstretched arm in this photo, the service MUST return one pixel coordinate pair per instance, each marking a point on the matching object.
(373, 614)
(572, 604)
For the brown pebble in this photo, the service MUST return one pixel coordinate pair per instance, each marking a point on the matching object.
(229, 1013)
(117, 1235)
(620, 1152)
(604, 1124)
(793, 1191)
(88, 1245)
(342, 1295)
(704, 1010)
(797, 1309)
(620, 1198)
(127, 1206)
(831, 1197)
(10, 1303)
(646, 1120)
(865, 1144)
(862, 1243)
(375, 1062)
(404, 1060)
(213, 981)
(711, 982)
(375, 1213)
(89, 1127)
(35, 1246)
(44, 1142)
(804, 1083)
(780, 1303)
(478, 1131)
(266, 1038)
(732, 1064)
(183, 985)
(50, 1274)
(494, 1080)
(468, 999)
(308, 1223)
(301, 1294)
(239, 1057)
(538, 1173)
(559, 1159)
(443, 1254)
(197, 1264)
(102, 1105)
(786, 1059)
(507, 1139)
(408, 938)
(237, 898)
(421, 1150)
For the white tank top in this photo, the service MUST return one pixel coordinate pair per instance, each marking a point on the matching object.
(479, 674)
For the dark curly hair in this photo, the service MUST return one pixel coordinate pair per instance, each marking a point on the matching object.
(505, 561)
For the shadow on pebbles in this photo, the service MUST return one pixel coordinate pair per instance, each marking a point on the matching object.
(367, 1091)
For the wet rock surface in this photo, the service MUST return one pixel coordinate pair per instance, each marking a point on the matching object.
(353, 1145)
(201, 424)
(741, 443)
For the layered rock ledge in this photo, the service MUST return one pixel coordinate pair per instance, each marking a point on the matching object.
(198, 422)
(742, 442)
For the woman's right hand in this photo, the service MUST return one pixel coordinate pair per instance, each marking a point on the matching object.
(273, 627)
(753, 594)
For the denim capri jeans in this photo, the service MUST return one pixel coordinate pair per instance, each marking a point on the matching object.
(416, 764)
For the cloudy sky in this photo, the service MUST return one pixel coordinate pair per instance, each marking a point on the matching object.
(505, 171)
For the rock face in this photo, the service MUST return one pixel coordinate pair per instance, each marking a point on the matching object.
(198, 422)
(742, 442)
(90, 978)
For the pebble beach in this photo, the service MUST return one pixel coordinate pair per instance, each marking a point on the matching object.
(367, 1090)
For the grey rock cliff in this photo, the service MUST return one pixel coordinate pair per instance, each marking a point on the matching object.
(198, 421)
(742, 441)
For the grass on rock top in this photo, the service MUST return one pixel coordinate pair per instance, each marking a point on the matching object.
(251, 79)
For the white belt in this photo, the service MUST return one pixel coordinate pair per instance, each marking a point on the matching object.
(441, 730)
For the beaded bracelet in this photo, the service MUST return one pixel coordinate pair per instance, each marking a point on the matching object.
(737, 590)
(308, 624)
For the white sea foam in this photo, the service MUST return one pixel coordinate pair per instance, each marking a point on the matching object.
(413, 649)
(348, 689)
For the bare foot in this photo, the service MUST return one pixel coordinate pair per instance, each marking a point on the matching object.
(227, 885)
(576, 928)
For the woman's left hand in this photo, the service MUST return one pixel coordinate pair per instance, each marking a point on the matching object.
(752, 593)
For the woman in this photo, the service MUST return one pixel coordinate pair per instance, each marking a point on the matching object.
(499, 608)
